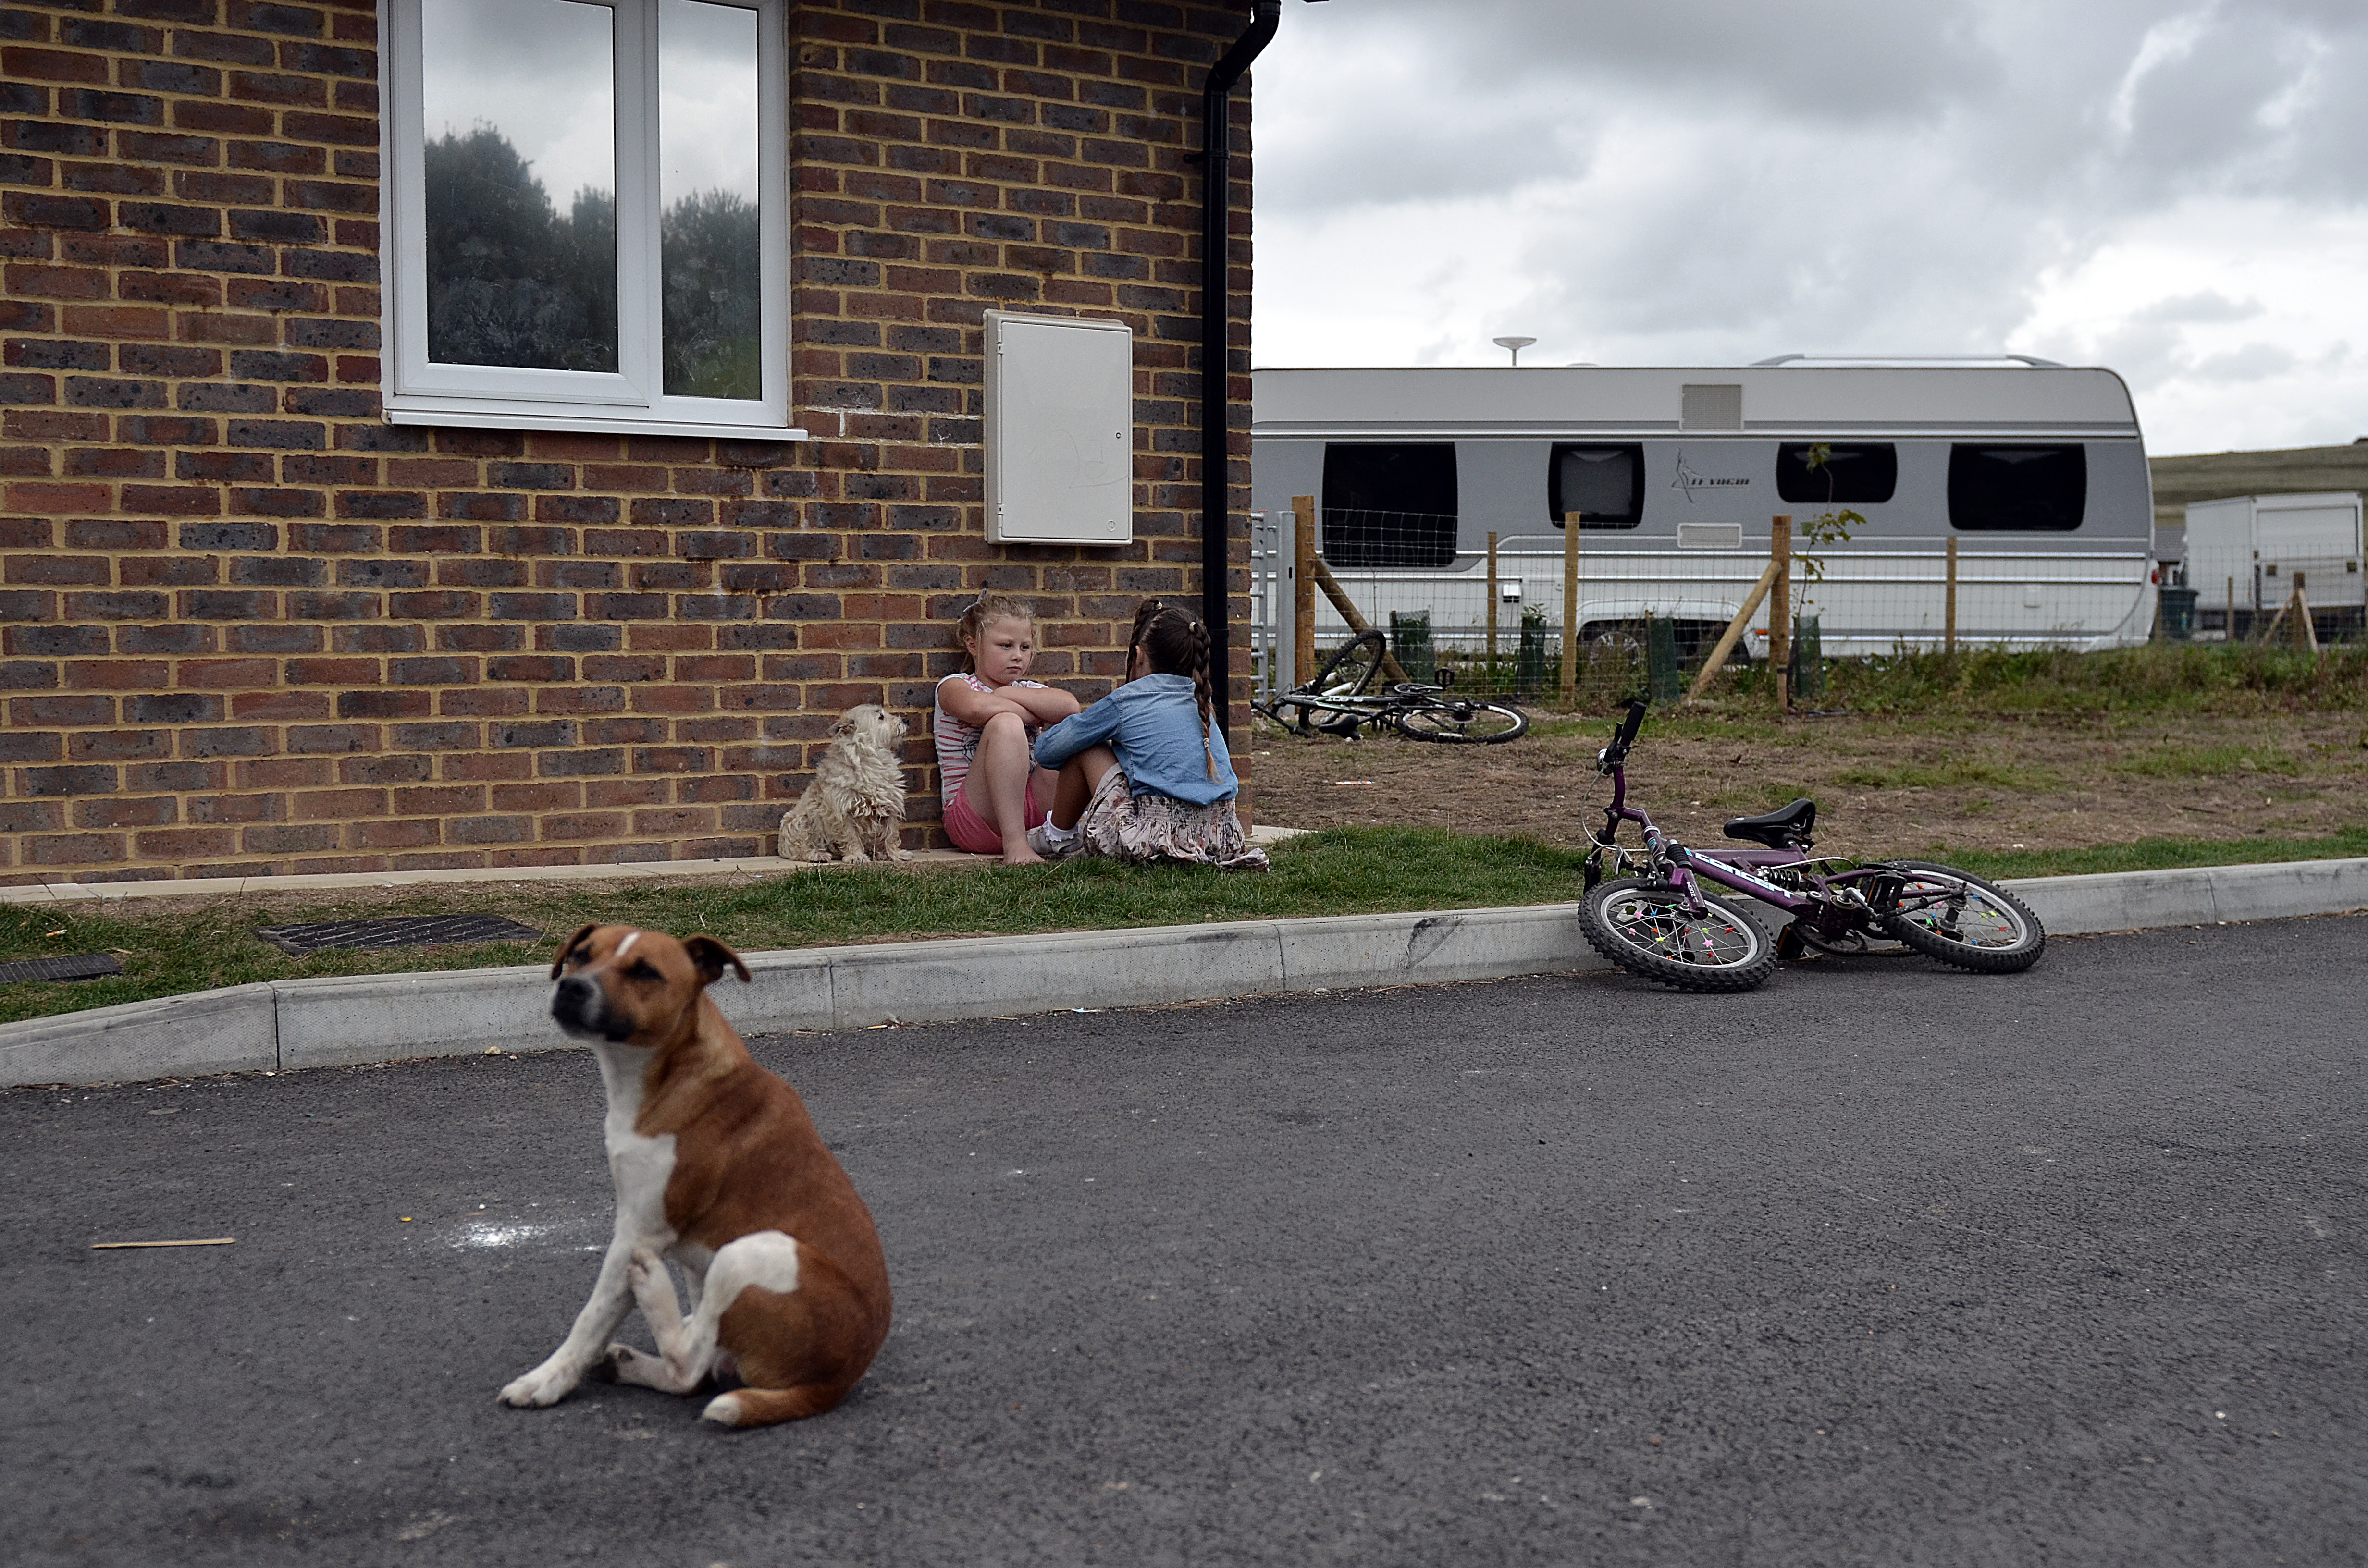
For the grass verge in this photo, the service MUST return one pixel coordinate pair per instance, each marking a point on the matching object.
(2153, 678)
(1343, 870)
(2209, 677)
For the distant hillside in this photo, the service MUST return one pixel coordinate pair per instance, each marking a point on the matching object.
(2208, 476)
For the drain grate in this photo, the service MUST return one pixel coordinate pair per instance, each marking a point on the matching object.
(74, 966)
(399, 931)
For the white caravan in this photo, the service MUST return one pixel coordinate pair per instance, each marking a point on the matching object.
(2037, 469)
(2246, 556)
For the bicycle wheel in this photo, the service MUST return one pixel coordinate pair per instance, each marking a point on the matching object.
(1460, 721)
(1645, 928)
(1961, 919)
(1351, 667)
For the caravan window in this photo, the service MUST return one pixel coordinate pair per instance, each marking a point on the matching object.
(2018, 487)
(1851, 476)
(1605, 485)
(1389, 505)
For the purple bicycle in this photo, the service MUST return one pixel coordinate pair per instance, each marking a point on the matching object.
(1661, 925)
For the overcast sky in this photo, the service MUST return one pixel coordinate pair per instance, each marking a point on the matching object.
(2177, 191)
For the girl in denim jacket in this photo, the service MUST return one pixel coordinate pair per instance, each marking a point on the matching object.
(1143, 773)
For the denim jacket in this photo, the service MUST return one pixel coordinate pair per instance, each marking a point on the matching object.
(1154, 725)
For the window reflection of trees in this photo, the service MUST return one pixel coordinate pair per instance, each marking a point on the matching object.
(513, 281)
(510, 281)
(711, 244)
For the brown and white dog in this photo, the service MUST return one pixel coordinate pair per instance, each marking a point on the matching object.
(718, 1166)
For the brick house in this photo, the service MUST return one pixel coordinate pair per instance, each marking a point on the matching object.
(282, 592)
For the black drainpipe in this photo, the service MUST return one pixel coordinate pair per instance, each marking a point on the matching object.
(1216, 311)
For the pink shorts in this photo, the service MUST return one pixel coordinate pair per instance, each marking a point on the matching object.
(973, 832)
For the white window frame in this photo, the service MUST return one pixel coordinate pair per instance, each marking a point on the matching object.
(631, 400)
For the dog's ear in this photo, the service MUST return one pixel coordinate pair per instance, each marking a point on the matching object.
(845, 726)
(712, 957)
(568, 946)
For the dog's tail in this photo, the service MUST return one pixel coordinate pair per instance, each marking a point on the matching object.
(763, 1408)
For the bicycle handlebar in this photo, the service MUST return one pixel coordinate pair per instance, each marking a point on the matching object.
(1615, 753)
(1633, 722)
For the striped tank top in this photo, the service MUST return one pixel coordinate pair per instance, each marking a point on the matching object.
(958, 741)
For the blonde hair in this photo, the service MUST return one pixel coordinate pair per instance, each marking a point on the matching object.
(986, 608)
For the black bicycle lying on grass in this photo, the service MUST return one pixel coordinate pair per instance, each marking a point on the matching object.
(1677, 922)
(1338, 703)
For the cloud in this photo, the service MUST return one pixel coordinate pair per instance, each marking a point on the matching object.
(2253, 362)
(2207, 305)
(1843, 60)
(1718, 180)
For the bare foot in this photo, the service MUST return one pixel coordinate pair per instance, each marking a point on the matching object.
(1023, 855)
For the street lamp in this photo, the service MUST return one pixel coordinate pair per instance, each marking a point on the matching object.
(1515, 344)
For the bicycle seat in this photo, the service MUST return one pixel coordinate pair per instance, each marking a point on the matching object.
(1787, 827)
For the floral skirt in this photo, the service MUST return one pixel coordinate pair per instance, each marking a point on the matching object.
(1121, 825)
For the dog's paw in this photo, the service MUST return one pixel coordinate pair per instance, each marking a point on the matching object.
(853, 856)
(544, 1386)
(818, 857)
(900, 854)
(723, 1410)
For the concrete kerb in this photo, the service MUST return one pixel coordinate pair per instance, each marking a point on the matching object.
(2203, 896)
(352, 1019)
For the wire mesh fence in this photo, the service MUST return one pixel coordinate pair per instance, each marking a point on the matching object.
(1591, 617)
(2268, 601)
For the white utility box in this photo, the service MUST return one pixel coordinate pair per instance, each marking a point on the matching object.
(2245, 552)
(1060, 430)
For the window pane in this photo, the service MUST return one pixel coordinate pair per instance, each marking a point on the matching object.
(1604, 486)
(709, 231)
(519, 100)
(1851, 476)
(1389, 505)
(2018, 487)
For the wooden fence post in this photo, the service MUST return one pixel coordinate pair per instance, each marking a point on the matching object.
(1302, 589)
(1569, 611)
(2293, 618)
(1731, 635)
(1491, 665)
(1358, 624)
(1780, 606)
(1949, 610)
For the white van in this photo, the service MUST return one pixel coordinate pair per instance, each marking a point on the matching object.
(2246, 555)
(2037, 469)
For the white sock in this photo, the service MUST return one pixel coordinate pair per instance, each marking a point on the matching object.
(1057, 834)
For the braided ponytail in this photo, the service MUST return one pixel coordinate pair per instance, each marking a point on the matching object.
(1200, 692)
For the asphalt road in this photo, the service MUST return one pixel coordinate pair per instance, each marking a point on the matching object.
(1882, 1264)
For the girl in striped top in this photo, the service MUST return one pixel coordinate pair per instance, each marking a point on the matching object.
(987, 717)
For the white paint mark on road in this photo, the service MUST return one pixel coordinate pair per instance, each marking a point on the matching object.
(497, 1233)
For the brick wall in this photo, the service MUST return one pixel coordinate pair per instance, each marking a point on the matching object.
(247, 628)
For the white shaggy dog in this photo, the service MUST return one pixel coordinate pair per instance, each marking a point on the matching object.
(856, 803)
